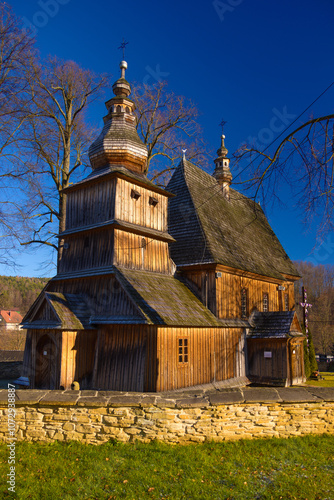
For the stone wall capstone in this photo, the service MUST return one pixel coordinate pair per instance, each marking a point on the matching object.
(179, 417)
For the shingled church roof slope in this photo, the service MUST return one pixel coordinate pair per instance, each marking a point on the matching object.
(164, 300)
(275, 324)
(66, 311)
(233, 232)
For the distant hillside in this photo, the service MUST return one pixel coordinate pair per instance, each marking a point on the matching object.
(19, 293)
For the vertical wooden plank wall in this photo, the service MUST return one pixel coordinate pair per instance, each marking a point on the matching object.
(91, 204)
(126, 358)
(224, 294)
(26, 369)
(211, 356)
(130, 252)
(77, 358)
(88, 250)
(276, 367)
(139, 211)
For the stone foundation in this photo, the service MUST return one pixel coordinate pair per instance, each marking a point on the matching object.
(191, 416)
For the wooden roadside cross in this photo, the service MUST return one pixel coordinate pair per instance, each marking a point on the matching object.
(305, 305)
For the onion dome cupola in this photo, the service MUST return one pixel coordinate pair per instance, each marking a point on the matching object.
(119, 142)
(222, 172)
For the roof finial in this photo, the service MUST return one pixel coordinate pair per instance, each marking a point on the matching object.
(222, 123)
(184, 154)
(122, 46)
(123, 64)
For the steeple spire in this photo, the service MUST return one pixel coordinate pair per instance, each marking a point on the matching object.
(119, 142)
(222, 170)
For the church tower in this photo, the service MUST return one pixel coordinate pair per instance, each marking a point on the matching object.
(119, 142)
(116, 216)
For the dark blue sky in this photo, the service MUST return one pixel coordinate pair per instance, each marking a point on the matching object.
(246, 61)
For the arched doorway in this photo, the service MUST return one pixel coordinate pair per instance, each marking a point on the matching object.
(47, 366)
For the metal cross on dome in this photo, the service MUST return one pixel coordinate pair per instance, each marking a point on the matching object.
(222, 124)
(305, 305)
(122, 46)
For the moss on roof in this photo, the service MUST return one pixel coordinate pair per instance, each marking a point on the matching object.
(68, 309)
(100, 173)
(276, 324)
(231, 232)
(164, 300)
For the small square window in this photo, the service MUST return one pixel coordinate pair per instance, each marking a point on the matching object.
(135, 194)
(152, 201)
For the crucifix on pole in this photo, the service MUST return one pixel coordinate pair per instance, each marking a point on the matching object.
(305, 305)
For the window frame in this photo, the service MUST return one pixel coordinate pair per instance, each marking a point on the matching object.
(286, 302)
(183, 351)
(244, 303)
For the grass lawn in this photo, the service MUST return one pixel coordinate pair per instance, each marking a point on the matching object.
(328, 380)
(295, 468)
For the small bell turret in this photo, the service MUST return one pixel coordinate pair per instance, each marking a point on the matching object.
(222, 172)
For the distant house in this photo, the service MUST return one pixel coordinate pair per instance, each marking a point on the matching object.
(10, 320)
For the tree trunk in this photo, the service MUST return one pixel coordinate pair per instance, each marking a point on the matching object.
(62, 198)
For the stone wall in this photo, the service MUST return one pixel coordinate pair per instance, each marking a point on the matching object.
(188, 416)
(10, 369)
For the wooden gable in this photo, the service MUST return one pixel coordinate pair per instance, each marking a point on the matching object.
(57, 311)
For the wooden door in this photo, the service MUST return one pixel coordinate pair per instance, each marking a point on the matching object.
(46, 363)
(297, 362)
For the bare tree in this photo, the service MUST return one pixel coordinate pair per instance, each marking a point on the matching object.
(319, 283)
(44, 137)
(167, 123)
(16, 51)
(303, 160)
(56, 141)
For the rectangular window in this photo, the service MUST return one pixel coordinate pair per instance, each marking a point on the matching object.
(183, 350)
(244, 305)
(265, 302)
(286, 302)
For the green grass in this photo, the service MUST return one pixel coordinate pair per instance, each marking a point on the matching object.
(328, 380)
(295, 468)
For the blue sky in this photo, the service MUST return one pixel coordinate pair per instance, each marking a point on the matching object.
(242, 60)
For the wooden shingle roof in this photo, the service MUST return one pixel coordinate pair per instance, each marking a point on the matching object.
(276, 324)
(233, 232)
(103, 173)
(58, 311)
(151, 298)
(164, 300)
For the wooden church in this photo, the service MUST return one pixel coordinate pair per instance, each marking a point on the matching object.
(162, 289)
